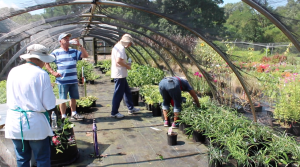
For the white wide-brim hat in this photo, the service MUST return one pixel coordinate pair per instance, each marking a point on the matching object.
(38, 51)
(127, 38)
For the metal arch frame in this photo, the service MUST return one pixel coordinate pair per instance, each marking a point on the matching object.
(230, 64)
(135, 37)
(151, 48)
(172, 55)
(33, 34)
(143, 35)
(89, 22)
(154, 13)
(174, 43)
(105, 39)
(36, 24)
(275, 21)
(41, 6)
(49, 28)
(22, 50)
(101, 34)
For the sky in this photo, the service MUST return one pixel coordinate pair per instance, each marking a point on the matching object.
(230, 1)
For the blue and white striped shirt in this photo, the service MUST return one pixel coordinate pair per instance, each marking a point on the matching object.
(66, 65)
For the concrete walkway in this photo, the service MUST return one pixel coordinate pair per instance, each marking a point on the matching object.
(136, 140)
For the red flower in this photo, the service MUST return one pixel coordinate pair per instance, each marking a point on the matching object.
(55, 140)
(196, 73)
(215, 80)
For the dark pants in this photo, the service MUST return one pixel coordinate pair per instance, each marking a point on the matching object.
(121, 89)
(40, 149)
(170, 89)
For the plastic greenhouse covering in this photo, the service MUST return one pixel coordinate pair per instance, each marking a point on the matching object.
(190, 38)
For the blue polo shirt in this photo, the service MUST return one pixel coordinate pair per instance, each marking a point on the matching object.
(66, 65)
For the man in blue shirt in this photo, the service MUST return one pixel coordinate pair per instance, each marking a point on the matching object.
(66, 74)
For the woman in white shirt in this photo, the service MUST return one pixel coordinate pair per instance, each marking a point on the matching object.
(29, 95)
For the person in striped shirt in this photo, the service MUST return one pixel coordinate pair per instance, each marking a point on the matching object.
(66, 75)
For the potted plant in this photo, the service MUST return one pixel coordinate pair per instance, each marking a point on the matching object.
(84, 103)
(216, 157)
(105, 66)
(93, 99)
(64, 148)
(92, 77)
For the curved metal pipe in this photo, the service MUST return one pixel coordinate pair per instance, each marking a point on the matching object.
(275, 21)
(230, 64)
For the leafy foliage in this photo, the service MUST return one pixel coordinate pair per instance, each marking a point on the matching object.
(140, 75)
(3, 92)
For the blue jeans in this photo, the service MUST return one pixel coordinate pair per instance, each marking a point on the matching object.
(40, 149)
(72, 89)
(170, 89)
(121, 89)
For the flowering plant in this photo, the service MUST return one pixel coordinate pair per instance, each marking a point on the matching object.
(199, 83)
(63, 138)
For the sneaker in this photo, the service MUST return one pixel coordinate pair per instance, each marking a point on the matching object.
(133, 111)
(175, 125)
(166, 123)
(118, 115)
(77, 116)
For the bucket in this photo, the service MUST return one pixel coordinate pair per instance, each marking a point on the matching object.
(172, 139)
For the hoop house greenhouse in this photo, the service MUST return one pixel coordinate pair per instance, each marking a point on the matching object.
(240, 58)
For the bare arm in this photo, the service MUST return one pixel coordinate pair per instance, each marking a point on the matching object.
(195, 97)
(121, 62)
(56, 74)
(84, 53)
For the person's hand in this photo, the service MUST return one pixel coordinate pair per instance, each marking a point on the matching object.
(56, 74)
(128, 66)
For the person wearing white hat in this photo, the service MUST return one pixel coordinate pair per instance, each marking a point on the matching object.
(119, 68)
(29, 95)
(66, 74)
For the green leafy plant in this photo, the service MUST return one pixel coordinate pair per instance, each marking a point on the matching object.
(3, 92)
(106, 64)
(92, 76)
(87, 68)
(140, 75)
(215, 155)
(84, 102)
(63, 138)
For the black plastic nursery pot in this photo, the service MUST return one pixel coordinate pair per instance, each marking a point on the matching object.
(92, 82)
(156, 110)
(69, 154)
(101, 68)
(198, 136)
(296, 129)
(258, 108)
(94, 104)
(172, 139)
(184, 128)
(214, 163)
(135, 96)
(181, 127)
(149, 107)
